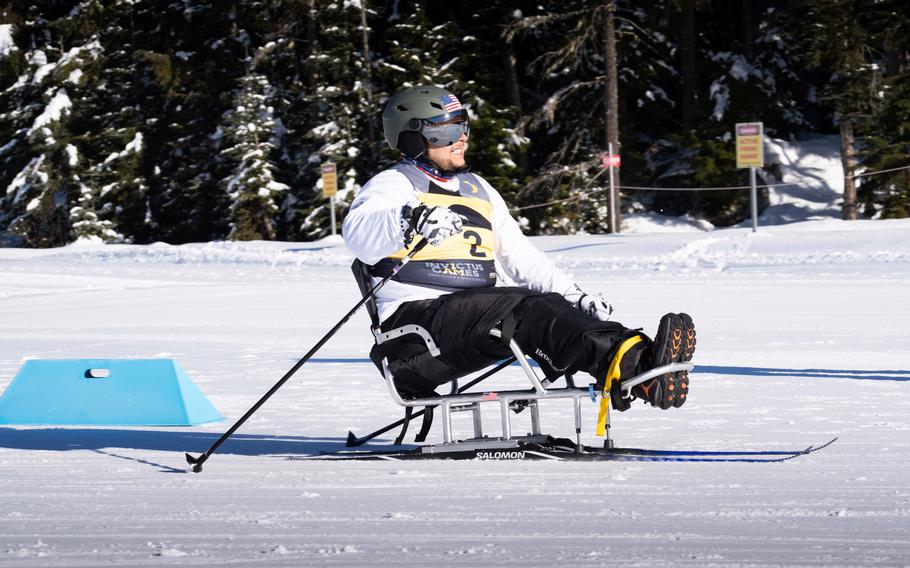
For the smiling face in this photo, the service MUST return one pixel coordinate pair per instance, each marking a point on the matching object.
(451, 157)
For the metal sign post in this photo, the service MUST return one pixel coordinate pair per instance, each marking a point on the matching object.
(753, 197)
(750, 153)
(610, 161)
(330, 188)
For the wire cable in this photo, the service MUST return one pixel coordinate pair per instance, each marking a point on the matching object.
(733, 187)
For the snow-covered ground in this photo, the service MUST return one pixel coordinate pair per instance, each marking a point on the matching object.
(803, 337)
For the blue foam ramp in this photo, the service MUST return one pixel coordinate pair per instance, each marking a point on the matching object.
(110, 392)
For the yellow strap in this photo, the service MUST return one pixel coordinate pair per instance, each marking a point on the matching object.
(612, 375)
(602, 415)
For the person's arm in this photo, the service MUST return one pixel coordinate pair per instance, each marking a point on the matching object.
(520, 260)
(372, 228)
(386, 215)
(526, 265)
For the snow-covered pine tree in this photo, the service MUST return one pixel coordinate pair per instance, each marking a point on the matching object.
(98, 171)
(38, 127)
(278, 36)
(192, 90)
(134, 154)
(564, 42)
(81, 29)
(330, 116)
(886, 139)
(85, 223)
(411, 48)
(473, 54)
(741, 70)
(12, 59)
(844, 41)
(887, 195)
(252, 132)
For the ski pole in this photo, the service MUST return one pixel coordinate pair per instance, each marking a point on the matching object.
(197, 462)
(354, 441)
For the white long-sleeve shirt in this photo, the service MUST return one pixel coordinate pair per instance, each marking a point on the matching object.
(372, 231)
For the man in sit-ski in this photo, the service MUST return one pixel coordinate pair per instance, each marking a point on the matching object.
(481, 273)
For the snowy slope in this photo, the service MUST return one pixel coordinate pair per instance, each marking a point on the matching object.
(803, 337)
(811, 179)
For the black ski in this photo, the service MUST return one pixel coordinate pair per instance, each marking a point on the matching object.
(719, 456)
(564, 450)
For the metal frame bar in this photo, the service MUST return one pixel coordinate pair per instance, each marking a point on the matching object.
(539, 391)
(382, 337)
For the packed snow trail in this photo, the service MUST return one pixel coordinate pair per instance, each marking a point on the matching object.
(803, 337)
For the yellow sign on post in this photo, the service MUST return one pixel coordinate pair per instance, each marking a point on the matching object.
(750, 153)
(750, 150)
(329, 180)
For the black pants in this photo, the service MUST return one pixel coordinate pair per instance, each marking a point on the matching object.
(547, 328)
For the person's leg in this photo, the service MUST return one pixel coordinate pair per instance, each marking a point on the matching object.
(564, 340)
(460, 324)
(549, 329)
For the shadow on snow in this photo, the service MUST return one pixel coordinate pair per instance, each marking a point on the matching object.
(851, 374)
(67, 439)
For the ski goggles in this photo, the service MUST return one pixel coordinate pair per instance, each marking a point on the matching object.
(445, 132)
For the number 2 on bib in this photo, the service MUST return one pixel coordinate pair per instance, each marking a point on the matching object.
(473, 235)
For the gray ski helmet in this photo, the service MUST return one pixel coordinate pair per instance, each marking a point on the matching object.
(405, 111)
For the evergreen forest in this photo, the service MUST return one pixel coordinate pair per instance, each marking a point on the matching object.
(136, 121)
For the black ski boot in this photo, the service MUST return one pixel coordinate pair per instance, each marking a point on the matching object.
(668, 347)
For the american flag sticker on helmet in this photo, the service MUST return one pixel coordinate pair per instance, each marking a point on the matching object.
(450, 103)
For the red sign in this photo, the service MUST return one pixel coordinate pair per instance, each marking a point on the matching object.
(748, 129)
(611, 160)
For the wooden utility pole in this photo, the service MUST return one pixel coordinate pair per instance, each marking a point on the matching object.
(310, 66)
(513, 88)
(746, 32)
(368, 79)
(612, 105)
(688, 64)
(848, 161)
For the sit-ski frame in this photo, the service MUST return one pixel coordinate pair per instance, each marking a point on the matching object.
(471, 401)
